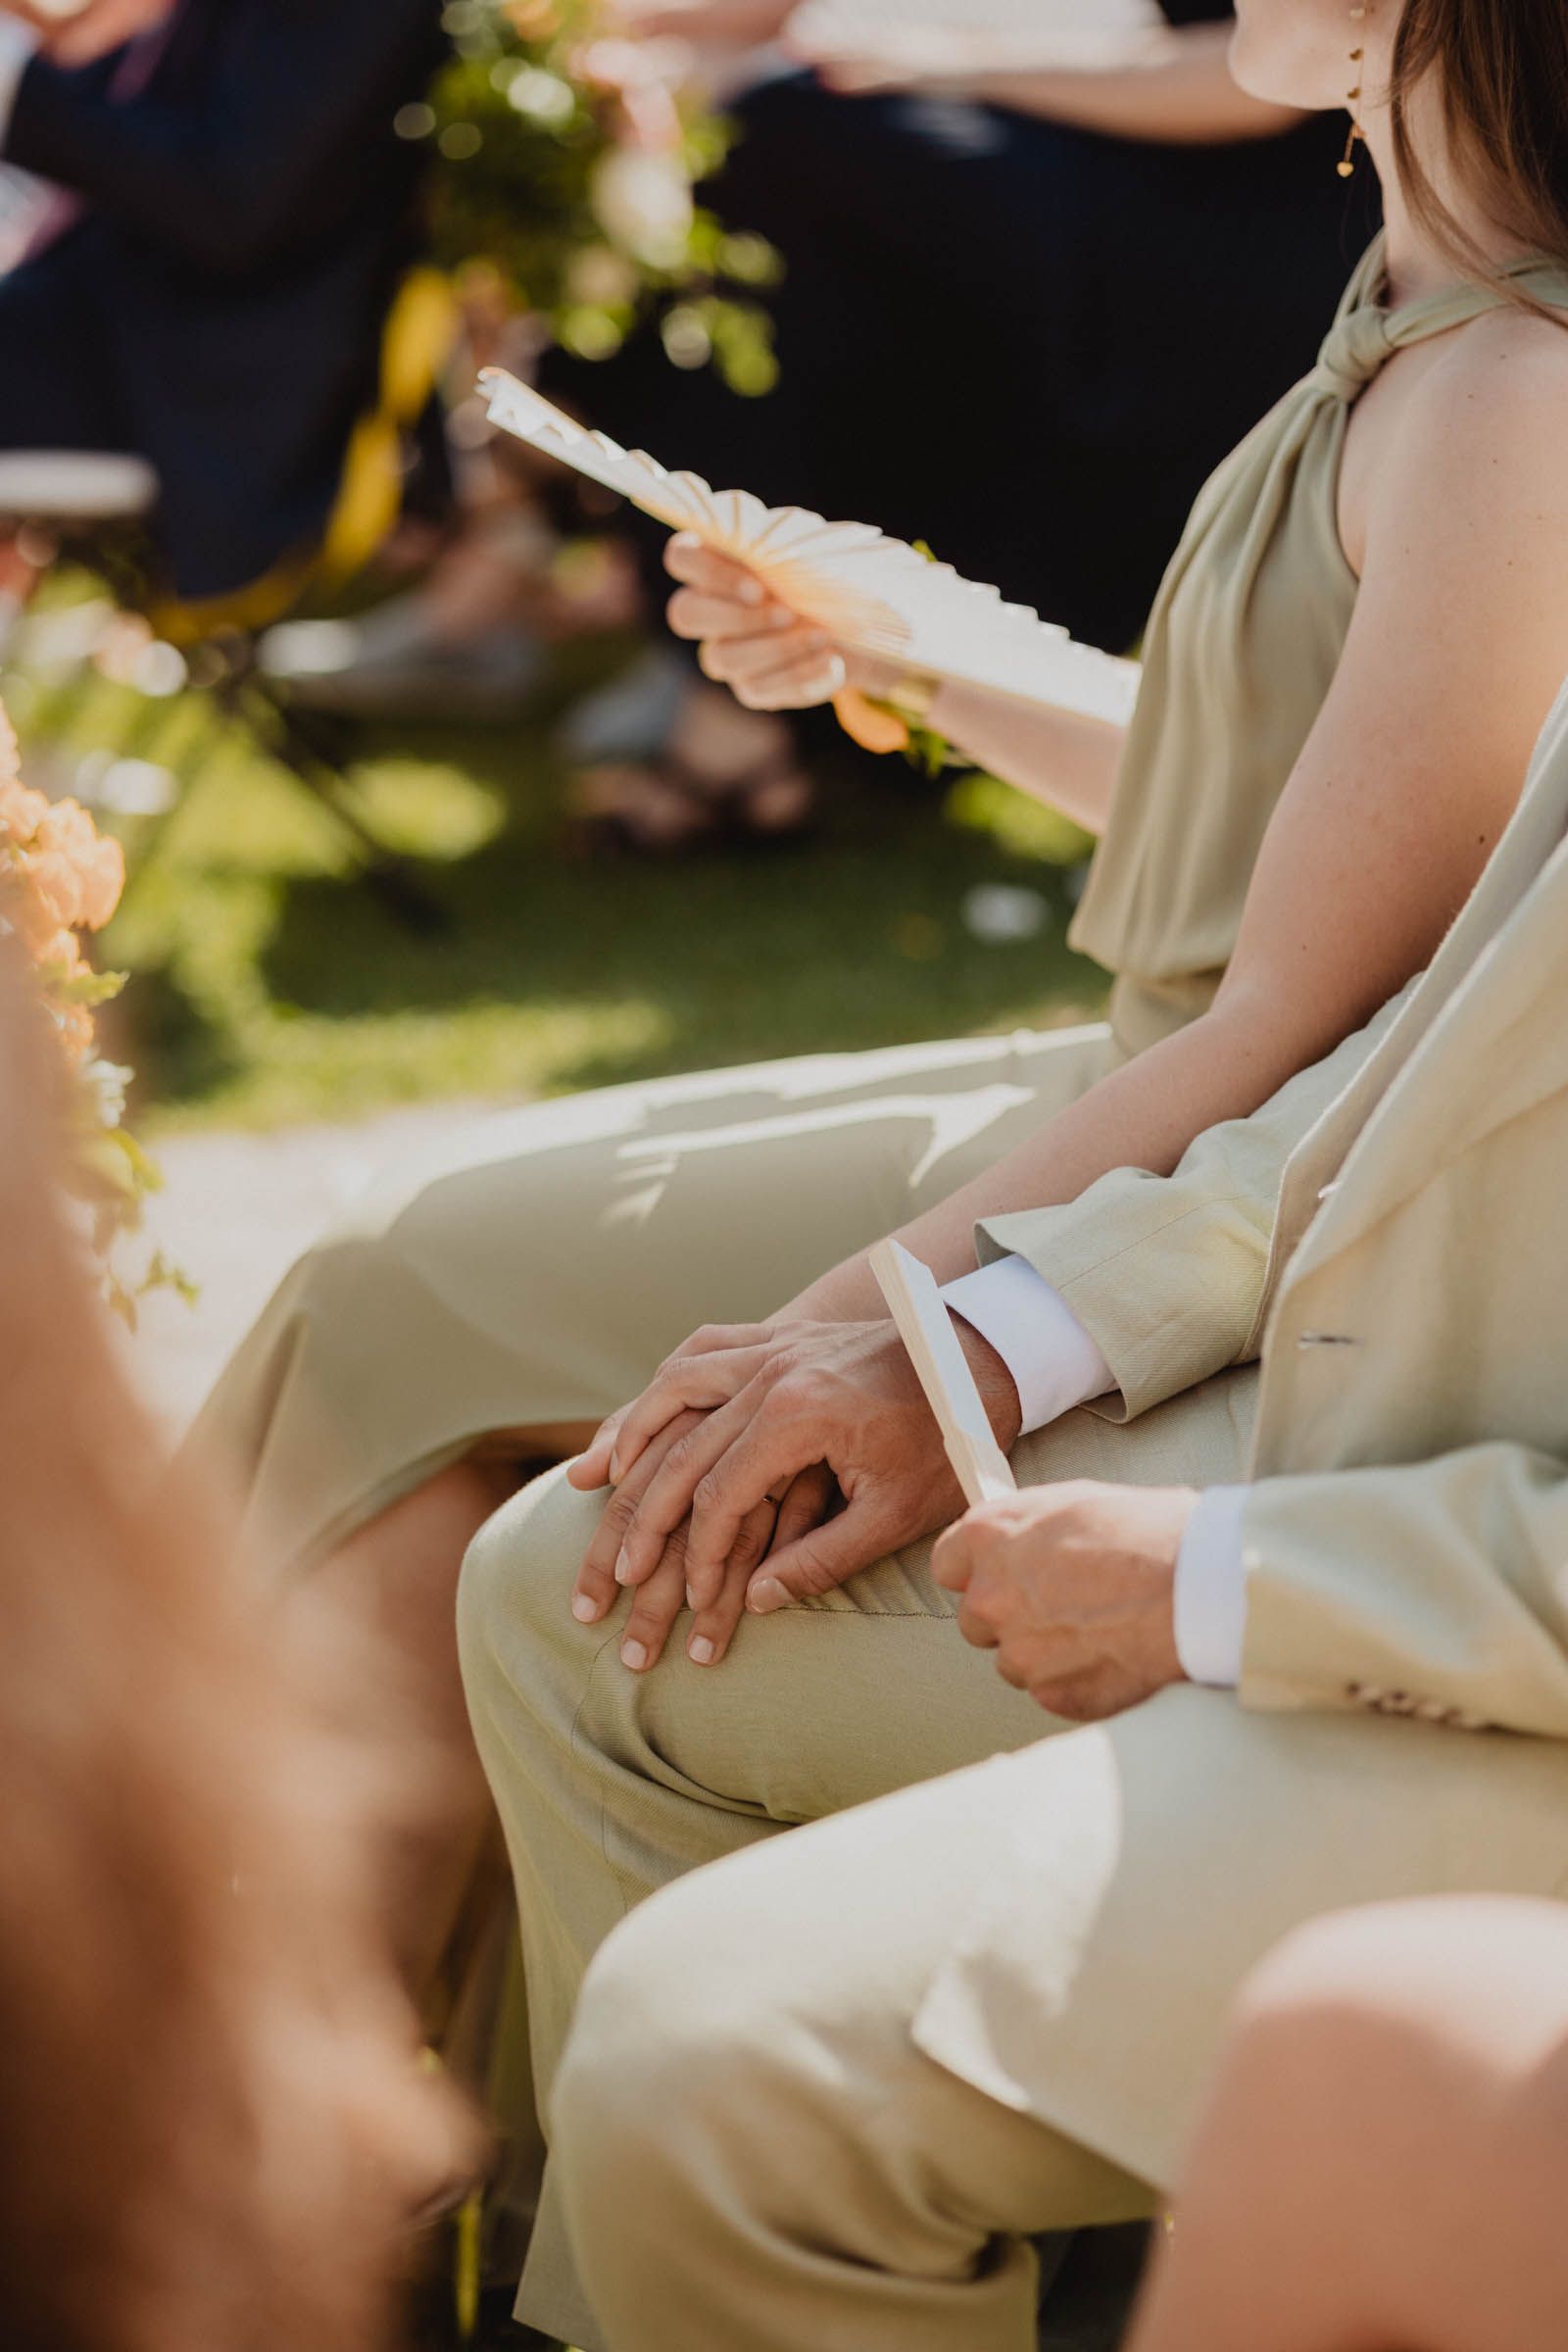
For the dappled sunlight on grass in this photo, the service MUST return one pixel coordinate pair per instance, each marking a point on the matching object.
(270, 986)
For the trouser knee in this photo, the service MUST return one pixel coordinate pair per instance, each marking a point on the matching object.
(515, 1592)
(657, 2090)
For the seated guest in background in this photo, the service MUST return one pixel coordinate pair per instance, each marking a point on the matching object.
(229, 215)
(1352, 656)
(823, 2091)
(1385, 2158)
(1024, 314)
(212, 2126)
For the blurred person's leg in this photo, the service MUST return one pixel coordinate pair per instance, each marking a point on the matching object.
(1385, 2159)
(819, 2094)
(611, 1785)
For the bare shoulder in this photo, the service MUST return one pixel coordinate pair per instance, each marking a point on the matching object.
(1486, 417)
(1458, 470)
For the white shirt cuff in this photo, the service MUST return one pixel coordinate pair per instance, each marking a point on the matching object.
(1210, 1598)
(1054, 1361)
(19, 45)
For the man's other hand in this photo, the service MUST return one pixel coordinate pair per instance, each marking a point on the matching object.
(1073, 1586)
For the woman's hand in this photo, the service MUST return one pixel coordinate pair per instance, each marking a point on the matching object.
(769, 658)
(609, 1461)
(659, 1600)
(803, 1399)
(627, 1451)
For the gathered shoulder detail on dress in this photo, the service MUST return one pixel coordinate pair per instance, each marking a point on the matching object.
(1366, 334)
(1242, 648)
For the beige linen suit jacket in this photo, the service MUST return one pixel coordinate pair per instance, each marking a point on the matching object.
(1391, 1231)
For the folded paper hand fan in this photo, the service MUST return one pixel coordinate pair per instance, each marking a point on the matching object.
(877, 596)
(925, 1327)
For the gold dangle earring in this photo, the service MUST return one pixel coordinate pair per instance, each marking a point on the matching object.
(1346, 167)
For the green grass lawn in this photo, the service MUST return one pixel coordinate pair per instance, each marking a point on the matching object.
(269, 987)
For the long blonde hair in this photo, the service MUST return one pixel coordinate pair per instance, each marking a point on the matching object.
(212, 2120)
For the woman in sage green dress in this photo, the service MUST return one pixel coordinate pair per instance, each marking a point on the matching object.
(1350, 658)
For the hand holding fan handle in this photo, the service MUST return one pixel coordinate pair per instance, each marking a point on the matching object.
(752, 638)
(860, 594)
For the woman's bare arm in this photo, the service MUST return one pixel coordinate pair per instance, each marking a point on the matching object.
(1455, 654)
(1058, 756)
(725, 23)
(1177, 91)
(1167, 83)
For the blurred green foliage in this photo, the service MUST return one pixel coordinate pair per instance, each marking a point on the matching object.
(575, 188)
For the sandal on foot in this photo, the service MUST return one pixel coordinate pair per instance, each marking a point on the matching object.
(664, 808)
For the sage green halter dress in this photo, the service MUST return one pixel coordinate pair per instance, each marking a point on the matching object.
(537, 1268)
(1243, 642)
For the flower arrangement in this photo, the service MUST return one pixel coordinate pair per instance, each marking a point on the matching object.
(59, 877)
(567, 168)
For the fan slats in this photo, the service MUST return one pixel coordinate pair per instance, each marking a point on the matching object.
(876, 595)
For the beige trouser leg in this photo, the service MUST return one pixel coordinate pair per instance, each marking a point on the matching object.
(753, 2155)
(816, 2093)
(533, 1268)
(611, 1785)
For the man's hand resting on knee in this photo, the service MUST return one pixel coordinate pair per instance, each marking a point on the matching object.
(766, 1463)
(1073, 1586)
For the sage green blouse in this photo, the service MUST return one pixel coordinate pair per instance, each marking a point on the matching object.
(1242, 644)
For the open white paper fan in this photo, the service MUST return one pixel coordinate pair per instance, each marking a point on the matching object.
(878, 596)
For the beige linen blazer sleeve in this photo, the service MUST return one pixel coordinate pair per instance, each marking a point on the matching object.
(1168, 1273)
(1438, 1588)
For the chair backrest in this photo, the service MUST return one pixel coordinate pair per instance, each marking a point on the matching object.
(416, 339)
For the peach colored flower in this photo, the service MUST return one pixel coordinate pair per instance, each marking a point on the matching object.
(58, 875)
(59, 857)
(20, 811)
(30, 917)
(75, 1023)
(67, 838)
(103, 885)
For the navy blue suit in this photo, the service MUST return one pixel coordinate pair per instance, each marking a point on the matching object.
(217, 307)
